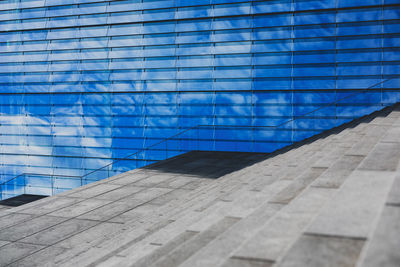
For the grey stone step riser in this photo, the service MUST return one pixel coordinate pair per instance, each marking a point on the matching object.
(277, 234)
(181, 224)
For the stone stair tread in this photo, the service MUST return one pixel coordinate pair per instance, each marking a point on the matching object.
(241, 207)
(172, 231)
(338, 171)
(394, 194)
(392, 135)
(160, 252)
(383, 247)
(135, 233)
(188, 219)
(290, 192)
(181, 253)
(383, 157)
(282, 229)
(59, 232)
(317, 250)
(355, 207)
(220, 248)
(95, 190)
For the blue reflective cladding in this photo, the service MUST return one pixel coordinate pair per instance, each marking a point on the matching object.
(86, 82)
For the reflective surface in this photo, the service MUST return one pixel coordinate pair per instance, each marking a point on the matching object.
(38, 184)
(83, 84)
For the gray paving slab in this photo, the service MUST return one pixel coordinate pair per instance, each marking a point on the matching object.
(376, 130)
(394, 195)
(282, 230)
(218, 250)
(242, 206)
(110, 210)
(81, 188)
(59, 232)
(111, 245)
(213, 198)
(128, 179)
(392, 135)
(383, 248)
(239, 262)
(89, 238)
(95, 190)
(298, 185)
(338, 171)
(196, 197)
(3, 210)
(13, 219)
(51, 205)
(14, 251)
(138, 173)
(383, 120)
(263, 181)
(292, 171)
(2, 243)
(174, 194)
(79, 208)
(154, 180)
(317, 251)
(360, 128)
(183, 252)
(170, 231)
(196, 184)
(329, 157)
(394, 114)
(142, 209)
(30, 227)
(120, 193)
(146, 195)
(363, 146)
(348, 140)
(144, 247)
(177, 182)
(384, 157)
(43, 258)
(356, 206)
(69, 247)
(163, 249)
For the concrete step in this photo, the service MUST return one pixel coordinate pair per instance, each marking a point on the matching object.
(383, 247)
(247, 254)
(224, 244)
(199, 220)
(336, 174)
(190, 247)
(160, 251)
(340, 230)
(278, 233)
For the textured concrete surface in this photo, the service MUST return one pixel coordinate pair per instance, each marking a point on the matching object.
(316, 251)
(330, 201)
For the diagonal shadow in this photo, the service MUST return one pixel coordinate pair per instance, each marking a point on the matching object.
(208, 164)
(214, 164)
